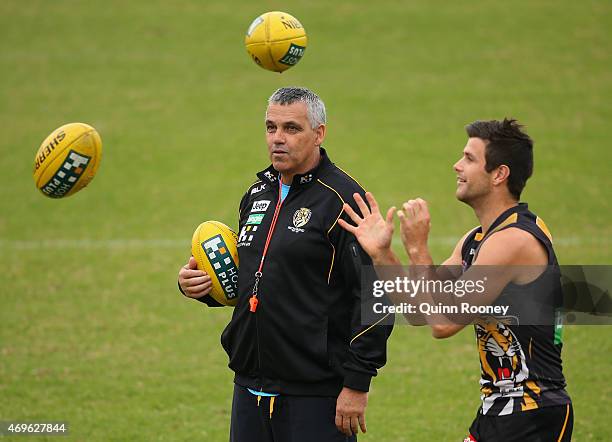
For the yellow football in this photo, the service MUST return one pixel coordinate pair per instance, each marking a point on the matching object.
(213, 246)
(67, 160)
(276, 41)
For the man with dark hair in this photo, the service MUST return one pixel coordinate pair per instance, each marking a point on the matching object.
(522, 384)
(303, 361)
(506, 144)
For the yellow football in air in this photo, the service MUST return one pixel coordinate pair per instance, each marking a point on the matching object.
(67, 160)
(276, 41)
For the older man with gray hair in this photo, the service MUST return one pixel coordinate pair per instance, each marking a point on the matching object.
(302, 359)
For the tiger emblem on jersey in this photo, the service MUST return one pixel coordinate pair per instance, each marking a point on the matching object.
(501, 356)
(503, 364)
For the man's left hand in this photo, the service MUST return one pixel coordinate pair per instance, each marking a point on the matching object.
(415, 223)
(350, 411)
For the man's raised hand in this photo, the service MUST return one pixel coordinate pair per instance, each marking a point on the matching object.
(373, 232)
(415, 223)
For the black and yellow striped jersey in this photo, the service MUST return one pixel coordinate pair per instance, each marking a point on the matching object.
(520, 360)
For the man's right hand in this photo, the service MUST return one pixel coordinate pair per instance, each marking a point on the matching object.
(373, 232)
(194, 283)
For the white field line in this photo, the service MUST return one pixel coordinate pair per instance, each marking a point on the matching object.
(95, 244)
(157, 243)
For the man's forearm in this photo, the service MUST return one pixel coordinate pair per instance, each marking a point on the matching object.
(386, 257)
(387, 266)
(419, 255)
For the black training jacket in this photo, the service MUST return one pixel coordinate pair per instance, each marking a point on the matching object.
(306, 336)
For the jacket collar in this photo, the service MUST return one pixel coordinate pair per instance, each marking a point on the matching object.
(271, 175)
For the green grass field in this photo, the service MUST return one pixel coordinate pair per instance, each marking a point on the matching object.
(93, 330)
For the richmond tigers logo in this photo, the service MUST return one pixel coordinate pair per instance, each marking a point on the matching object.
(503, 367)
(301, 217)
(501, 356)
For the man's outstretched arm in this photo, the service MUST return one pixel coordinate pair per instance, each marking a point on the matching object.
(509, 247)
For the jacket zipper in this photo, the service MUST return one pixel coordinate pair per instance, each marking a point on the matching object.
(253, 301)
